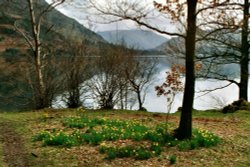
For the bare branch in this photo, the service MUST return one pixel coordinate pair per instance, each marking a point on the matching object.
(205, 92)
(126, 11)
(25, 36)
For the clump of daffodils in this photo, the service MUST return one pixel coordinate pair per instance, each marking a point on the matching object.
(205, 138)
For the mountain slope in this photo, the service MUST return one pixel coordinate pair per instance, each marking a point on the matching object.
(16, 68)
(172, 46)
(54, 25)
(139, 39)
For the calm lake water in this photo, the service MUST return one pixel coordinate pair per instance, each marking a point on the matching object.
(213, 100)
(153, 103)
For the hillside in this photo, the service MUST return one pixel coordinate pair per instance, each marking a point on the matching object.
(55, 26)
(172, 46)
(94, 139)
(57, 31)
(140, 39)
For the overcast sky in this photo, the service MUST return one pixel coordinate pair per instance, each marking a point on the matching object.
(77, 12)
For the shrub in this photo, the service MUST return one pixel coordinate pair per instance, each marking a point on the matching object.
(60, 139)
(203, 138)
(235, 106)
(111, 154)
(160, 130)
(194, 144)
(229, 109)
(124, 152)
(184, 145)
(153, 136)
(172, 159)
(169, 139)
(103, 148)
(92, 138)
(156, 148)
(76, 122)
(142, 154)
(41, 136)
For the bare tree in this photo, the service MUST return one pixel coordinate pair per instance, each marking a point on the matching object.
(140, 73)
(119, 75)
(125, 93)
(75, 67)
(104, 84)
(33, 39)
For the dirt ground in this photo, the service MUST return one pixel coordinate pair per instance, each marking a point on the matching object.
(13, 146)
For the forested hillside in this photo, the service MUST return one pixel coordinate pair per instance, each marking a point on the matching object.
(57, 32)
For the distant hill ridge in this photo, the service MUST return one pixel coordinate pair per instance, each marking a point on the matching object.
(140, 39)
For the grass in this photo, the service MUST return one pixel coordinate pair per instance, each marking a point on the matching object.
(2, 164)
(83, 130)
(233, 129)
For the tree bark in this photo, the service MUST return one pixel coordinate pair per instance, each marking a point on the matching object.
(244, 54)
(184, 130)
(139, 99)
(40, 96)
(121, 97)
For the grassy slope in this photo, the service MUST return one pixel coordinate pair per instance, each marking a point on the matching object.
(233, 128)
(1, 156)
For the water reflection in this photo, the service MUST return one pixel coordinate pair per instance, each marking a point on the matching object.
(214, 100)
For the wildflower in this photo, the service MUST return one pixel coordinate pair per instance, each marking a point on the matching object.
(103, 144)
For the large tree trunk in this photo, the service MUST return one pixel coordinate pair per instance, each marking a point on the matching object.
(185, 127)
(41, 101)
(244, 54)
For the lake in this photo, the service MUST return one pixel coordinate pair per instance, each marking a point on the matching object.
(213, 100)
